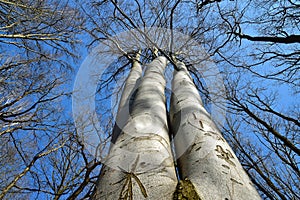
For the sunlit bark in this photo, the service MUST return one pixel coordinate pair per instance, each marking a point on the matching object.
(140, 164)
(205, 157)
(132, 82)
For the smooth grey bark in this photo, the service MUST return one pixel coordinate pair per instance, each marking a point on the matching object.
(140, 163)
(205, 157)
(131, 84)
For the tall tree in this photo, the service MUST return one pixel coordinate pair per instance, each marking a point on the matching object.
(140, 163)
(36, 134)
(205, 158)
(255, 46)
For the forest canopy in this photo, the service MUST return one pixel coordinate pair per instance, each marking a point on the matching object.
(254, 44)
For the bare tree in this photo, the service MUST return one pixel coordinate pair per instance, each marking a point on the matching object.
(255, 44)
(140, 164)
(262, 92)
(35, 36)
(209, 163)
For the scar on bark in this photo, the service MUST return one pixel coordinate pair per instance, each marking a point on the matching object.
(226, 155)
(126, 191)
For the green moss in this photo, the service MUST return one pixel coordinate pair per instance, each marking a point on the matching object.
(185, 190)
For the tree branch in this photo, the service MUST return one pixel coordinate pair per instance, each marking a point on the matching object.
(284, 40)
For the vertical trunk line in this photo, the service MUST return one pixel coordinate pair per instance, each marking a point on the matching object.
(131, 84)
(207, 164)
(140, 163)
(171, 135)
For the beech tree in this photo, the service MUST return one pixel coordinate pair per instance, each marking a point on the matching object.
(254, 52)
(253, 43)
(143, 146)
(209, 163)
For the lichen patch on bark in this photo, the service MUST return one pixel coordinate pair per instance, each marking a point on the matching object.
(185, 190)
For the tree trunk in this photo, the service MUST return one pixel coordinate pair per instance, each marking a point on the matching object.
(140, 164)
(205, 158)
(131, 84)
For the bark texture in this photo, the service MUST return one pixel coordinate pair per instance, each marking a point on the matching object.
(140, 163)
(205, 157)
(131, 84)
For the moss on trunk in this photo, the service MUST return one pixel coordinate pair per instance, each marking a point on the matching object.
(185, 190)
